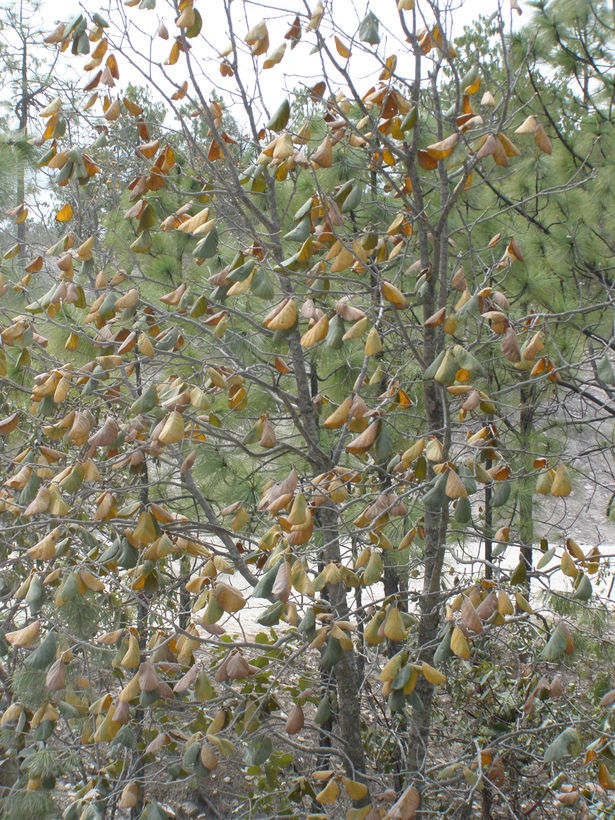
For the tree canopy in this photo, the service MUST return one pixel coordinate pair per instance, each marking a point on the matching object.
(307, 413)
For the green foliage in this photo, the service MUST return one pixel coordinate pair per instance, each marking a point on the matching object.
(23, 805)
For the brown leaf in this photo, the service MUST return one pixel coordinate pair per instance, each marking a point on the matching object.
(443, 149)
(295, 720)
(510, 346)
(488, 606)
(542, 140)
(488, 148)
(436, 318)
(238, 667)
(323, 155)
(282, 584)
(148, 680)
(470, 616)
(364, 441)
(608, 699)
(56, 676)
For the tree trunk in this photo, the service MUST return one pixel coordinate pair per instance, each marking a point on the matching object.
(488, 529)
(345, 670)
(526, 497)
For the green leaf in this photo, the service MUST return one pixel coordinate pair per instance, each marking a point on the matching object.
(45, 654)
(566, 743)
(332, 653)
(584, 589)
(443, 650)
(301, 232)
(257, 752)
(555, 646)
(605, 370)
(261, 285)
(206, 247)
(436, 497)
(195, 28)
(271, 616)
(280, 118)
(353, 199)
(368, 30)
(544, 559)
(323, 711)
(519, 574)
(265, 585)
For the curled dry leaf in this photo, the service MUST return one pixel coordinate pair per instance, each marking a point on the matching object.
(470, 616)
(323, 155)
(238, 668)
(436, 318)
(295, 720)
(282, 584)
(229, 598)
(157, 743)
(148, 680)
(510, 346)
(25, 636)
(443, 149)
(455, 487)
(364, 441)
(208, 757)
(56, 676)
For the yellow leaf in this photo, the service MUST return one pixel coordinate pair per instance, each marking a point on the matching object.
(394, 628)
(173, 429)
(505, 606)
(605, 778)
(113, 111)
(394, 295)
(24, 637)
(315, 19)
(282, 317)
(187, 18)
(340, 415)
(568, 565)
(443, 149)
(522, 603)
(455, 487)
(373, 344)
(132, 658)
(65, 214)
(316, 333)
(329, 794)
(432, 675)
(356, 791)
(173, 55)
(459, 644)
(275, 56)
(51, 109)
(561, 486)
(342, 49)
